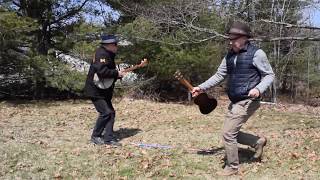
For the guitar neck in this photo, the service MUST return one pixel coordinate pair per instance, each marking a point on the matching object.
(186, 84)
(131, 68)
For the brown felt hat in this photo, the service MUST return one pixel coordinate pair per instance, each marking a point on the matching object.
(239, 29)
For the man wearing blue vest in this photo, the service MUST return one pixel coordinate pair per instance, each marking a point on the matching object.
(249, 74)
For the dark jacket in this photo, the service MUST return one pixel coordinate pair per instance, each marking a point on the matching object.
(105, 67)
(243, 76)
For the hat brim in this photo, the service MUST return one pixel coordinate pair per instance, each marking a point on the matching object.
(109, 41)
(238, 32)
(234, 36)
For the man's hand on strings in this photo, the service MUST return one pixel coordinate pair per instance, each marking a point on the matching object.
(121, 73)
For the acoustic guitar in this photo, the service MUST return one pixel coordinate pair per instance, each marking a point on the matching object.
(206, 104)
(105, 83)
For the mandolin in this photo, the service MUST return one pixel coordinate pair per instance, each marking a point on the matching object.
(107, 82)
(206, 104)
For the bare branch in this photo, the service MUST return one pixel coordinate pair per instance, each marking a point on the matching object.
(71, 12)
(17, 4)
(259, 39)
(183, 15)
(176, 44)
(270, 39)
(210, 31)
(288, 25)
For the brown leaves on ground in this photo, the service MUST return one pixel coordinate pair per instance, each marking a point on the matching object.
(50, 140)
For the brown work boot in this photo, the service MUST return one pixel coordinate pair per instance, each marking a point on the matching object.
(228, 171)
(259, 149)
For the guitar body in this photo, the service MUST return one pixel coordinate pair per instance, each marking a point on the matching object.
(206, 104)
(103, 83)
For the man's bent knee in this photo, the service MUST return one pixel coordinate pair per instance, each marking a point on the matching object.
(106, 115)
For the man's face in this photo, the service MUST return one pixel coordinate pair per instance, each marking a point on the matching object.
(112, 47)
(237, 42)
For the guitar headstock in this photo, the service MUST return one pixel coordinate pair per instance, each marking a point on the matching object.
(143, 63)
(178, 75)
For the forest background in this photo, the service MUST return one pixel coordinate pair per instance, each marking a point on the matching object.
(173, 34)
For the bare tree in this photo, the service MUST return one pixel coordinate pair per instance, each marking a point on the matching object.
(174, 17)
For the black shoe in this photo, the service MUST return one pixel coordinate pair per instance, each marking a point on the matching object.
(97, 140)
(113, 143)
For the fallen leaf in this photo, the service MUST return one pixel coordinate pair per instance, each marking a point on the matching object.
(295, 155)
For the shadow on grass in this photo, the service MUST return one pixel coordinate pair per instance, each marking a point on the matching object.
(123, 133)
(245, 155)
(213, 151)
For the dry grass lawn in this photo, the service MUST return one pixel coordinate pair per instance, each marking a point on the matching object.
(50, 140)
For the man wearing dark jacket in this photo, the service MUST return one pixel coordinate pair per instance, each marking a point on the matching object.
(103, 66)
(249, 75)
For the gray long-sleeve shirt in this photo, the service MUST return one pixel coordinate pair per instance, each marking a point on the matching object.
(260, 61)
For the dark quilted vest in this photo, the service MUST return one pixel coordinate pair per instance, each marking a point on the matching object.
(242, 76)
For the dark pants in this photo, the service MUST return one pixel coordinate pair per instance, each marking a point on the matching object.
(105, 119)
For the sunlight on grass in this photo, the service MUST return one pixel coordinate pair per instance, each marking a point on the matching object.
(49, 140)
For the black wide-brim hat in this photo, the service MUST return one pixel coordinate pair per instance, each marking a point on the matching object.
(108, 39)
